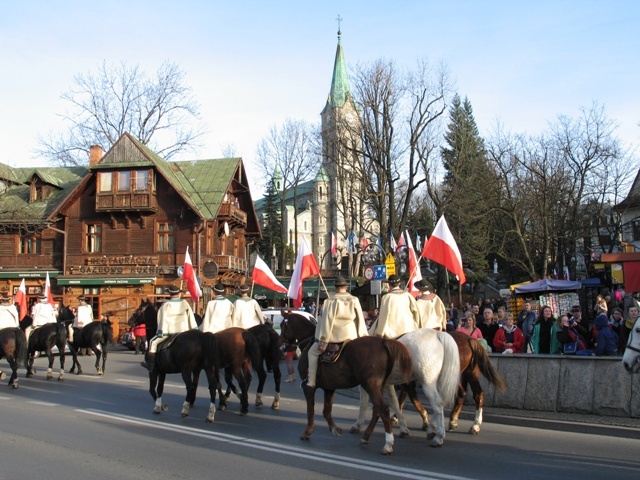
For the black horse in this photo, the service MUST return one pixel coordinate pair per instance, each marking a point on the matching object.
(269, 343)
(13, 345)
(43, 339)
(145, 314)
(96, 336)
(188, 353)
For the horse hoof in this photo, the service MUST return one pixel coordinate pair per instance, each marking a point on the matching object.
(222, 407)
(184, 415)
(243, 413)
(3, 375)
(259, 403)
(394, 420)
(337, 431)
(474, 430)
(60, 378)
(208, 420)
(305, 436)
(431, 436)
(425, 427)
(355, 429)
(364, 441)
(156, 411)
(453, 426)
(49, 377)
(29, 374)
(435, 442)
(404, 434)
(165, 407)
(15, 386)
(386, 451)
(275, 406)
(100, 372)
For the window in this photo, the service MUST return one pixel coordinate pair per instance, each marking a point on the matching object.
(166, 238)
(636, 231)
(94, 238)
(105, 184)
(321, 241)
(141, 180)
(124, 181)
(29, 244)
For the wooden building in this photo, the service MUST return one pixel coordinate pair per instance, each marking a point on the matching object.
(126, 225)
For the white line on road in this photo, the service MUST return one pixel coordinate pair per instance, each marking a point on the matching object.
(5, 398)
(46, 404)
(127, 380)
(350, 462)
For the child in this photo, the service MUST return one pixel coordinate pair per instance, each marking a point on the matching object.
(607, 339)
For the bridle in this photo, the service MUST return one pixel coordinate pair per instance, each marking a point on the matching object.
(629, 346)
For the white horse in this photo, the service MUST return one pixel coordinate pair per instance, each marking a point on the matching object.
(631, 358)
(436, 367)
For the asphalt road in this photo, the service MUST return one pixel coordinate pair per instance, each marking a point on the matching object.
(102, 428)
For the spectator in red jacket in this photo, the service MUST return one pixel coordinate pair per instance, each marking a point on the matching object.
(509, 338)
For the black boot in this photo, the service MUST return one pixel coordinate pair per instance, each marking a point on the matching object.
(149, 361)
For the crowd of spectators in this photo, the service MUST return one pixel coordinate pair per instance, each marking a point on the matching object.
(545, 333)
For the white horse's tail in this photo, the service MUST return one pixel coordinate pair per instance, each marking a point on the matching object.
(449, 378)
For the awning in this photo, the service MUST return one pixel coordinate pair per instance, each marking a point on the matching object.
(88, 280)
(4, 273)
(546, 285)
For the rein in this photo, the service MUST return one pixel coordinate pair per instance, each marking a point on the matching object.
(629, 346)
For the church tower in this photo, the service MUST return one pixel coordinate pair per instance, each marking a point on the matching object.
(341, 141)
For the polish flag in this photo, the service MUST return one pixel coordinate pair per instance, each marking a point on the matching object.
(365, 243)
(189, 276)
(442, 249)
(392, 241)
(401, 242)
(47, 291)
(21, 300)
(414, 269)
(306, 265)
(334, 244)
(262, 275)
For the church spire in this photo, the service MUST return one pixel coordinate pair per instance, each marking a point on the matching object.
(339, 92)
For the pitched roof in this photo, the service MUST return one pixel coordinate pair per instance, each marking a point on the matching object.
(339, 92)
(633, 197)
(303, 189)
(15, 205)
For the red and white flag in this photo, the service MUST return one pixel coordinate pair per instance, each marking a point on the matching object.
(47, 291)
(401, 242)
(21, 300)
(189, 276)
(442, 249)
(262, 275)
(334, 244)
(364, 243)
(306, 265)
(414, 269)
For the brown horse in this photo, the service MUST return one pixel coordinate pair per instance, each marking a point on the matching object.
(473, 361)
(238, 350)
(13, 345)
(365, 361)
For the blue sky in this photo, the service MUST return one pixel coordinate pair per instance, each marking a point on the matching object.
(253, 64)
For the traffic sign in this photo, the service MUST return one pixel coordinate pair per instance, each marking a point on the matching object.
(369, 273)
(376, 287)
(380, 272)
(390, 262)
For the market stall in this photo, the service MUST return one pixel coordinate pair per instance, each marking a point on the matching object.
(560, 295)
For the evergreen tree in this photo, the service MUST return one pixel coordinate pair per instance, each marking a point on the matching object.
(272, 222)
(472, 187)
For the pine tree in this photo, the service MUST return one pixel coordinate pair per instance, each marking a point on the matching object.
(471, 185)
(272, 222)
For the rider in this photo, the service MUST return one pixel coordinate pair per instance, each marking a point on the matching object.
(247, 311)
(341, 320)
(175, 316)
(43, 313)
(8, 313)
(433, 313)
(399, 312)
(84, 316)
(219, 313)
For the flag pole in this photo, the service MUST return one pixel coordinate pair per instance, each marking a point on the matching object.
(252, 283)
(323, 284)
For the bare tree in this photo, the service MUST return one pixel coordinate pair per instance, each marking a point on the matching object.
(159, 110)
(290, 150)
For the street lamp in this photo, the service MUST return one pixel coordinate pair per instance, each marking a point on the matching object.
(373, 254)
(402, 258)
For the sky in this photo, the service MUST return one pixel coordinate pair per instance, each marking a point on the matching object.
(252, 65)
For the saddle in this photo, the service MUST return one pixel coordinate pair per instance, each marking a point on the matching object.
(333, 352)
(167, 343)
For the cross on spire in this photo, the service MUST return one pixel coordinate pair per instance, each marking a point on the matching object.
(339, 19)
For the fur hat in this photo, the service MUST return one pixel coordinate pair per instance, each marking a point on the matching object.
(218, 288)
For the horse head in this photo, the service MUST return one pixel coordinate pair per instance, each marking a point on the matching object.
(631, 357)
(139, 316)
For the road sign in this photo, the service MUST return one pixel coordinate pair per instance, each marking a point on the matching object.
(390, 262)
(376, 287)
(380, 272)
(369, 273)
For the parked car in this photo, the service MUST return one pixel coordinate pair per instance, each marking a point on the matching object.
(128, 340)
(275, 316)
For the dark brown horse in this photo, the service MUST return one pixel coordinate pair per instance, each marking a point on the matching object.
(43, 339)
(474, 361)
(96, 336)
(188, 353)
(365, 361)
(13, 345)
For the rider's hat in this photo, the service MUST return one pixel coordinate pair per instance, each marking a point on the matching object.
(5, 298)
(393, 280)
(424, 286)
(244, 288)
(340, 282)
(41, 296)
(82, 298)
(218, 288)
(173, 290)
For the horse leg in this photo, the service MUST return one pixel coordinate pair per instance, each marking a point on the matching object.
(13, 380)
(212, 379)
(104, 358)
(457, 406)
(435, 433)
(50, 367)
(159, 378)
(191, 392)
(30, 370)
(409, 390)
(98, 354)
(241, 377)
(478, 396)
(380, 408)
(228, 378)
(362, 411)
(262, 378)
(326, 412)
(310, 397)
(277, 377)
(395, 408)
(195, 378)
(74, 359)
(62, 359)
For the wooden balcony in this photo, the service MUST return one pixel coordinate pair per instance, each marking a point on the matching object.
(230, 263)
(232, 215)
(126, 201)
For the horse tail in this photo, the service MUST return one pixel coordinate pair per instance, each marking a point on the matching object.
(483, 361)
(252, 350)
(210, 349)
(107, 333)
(401, 356)
(22, 348)
(449, 377)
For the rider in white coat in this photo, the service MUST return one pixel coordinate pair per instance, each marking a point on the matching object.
(247, 311)
(84, 316)
(398, 313)
(219, 313)
(433, 313)
(43, 313)
(8, 313)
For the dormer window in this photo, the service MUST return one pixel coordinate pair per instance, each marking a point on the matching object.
(39, 192)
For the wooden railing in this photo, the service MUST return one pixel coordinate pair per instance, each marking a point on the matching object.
(229, 262)
(229, 212)
(126, 201)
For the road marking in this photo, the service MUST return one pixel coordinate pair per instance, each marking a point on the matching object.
(338, 460)
(127, 380)
(46, 404)
(5, 398)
